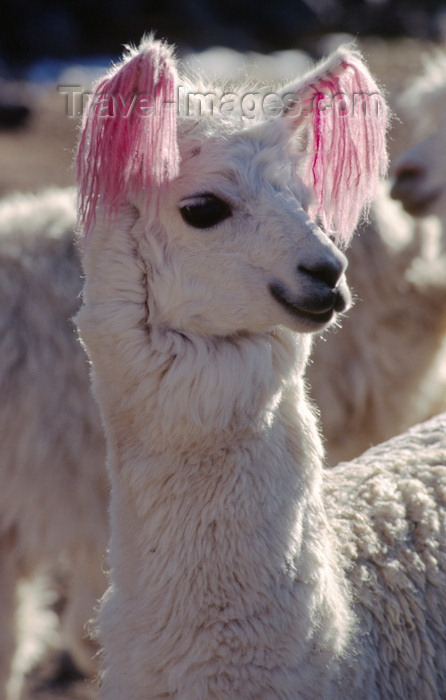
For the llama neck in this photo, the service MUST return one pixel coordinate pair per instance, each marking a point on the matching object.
(217, 512)
(200, 399)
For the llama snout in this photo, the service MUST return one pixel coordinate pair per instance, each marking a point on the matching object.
(323, 290)
(408, 188)
(413, 184)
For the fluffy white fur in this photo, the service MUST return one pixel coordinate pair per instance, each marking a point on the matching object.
(233, 574)
(54, 489)
(388, 509)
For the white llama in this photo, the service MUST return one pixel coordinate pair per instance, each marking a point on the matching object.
(420, 173)
(54, 489)
(204, 282)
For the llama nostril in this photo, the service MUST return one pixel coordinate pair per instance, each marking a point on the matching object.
(327, 272)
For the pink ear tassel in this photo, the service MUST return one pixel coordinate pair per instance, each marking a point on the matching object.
(348, 140)
(132, 147)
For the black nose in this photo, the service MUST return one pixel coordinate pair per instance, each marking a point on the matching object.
(407, 172)
(405, 178)
(327, 272)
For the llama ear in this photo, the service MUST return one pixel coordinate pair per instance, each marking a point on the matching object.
(128, 140)
(346, 118)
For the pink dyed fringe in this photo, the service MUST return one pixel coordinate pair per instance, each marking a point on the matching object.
(129, 152)
(349, 149)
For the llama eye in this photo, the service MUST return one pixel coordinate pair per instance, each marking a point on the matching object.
(205, 211)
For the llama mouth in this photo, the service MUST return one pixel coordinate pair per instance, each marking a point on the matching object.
(319, 311)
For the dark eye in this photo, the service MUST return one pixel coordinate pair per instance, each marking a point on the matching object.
(204, 211)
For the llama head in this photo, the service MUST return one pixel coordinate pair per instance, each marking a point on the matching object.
(238, 225)
(419, 176)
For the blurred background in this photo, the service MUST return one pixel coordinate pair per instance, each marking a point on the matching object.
(47, 43)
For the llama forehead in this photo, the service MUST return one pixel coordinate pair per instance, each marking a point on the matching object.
(226, 103)
(243, 163)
